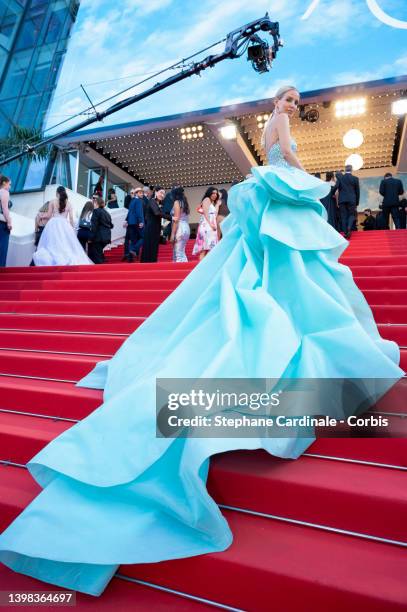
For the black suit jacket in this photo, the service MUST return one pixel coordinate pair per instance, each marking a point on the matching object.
(391, 188)
(127, 200)
(348, 188)
(101, 226)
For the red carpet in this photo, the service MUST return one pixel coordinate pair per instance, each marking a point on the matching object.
(56, 323)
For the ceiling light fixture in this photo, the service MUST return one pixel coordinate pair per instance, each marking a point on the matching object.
(350, 108)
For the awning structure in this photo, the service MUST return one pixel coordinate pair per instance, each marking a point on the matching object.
(191, 148)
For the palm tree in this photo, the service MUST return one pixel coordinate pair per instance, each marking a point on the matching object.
(22, 138)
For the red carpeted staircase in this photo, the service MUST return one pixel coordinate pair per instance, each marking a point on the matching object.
(326, 532)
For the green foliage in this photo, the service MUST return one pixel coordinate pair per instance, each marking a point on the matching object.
(20, 139)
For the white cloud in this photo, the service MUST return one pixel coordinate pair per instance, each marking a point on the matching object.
(116, 44)
(396, 68)
(333, 20)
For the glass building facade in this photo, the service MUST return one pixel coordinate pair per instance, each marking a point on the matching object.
(34, 36)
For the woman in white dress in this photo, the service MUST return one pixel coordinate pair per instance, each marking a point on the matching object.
(207, 234)
(59, 245)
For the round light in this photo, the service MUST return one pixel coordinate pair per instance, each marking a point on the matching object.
(188, 129)
(259, 117)
(200, 128)
(182, 130)
(194, 129)
(183, 137)
(265, 117)
(353, 139)
(195, 135)
(229, 132)
(200, 134)
(355, 160)
(260, 125)
(189, 136)
(399, 107)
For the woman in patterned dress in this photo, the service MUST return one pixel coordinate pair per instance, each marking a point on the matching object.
(207, 235)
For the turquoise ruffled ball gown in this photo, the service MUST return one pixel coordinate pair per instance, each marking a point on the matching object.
(271, 300)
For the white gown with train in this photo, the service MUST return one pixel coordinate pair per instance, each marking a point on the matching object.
(59, 245)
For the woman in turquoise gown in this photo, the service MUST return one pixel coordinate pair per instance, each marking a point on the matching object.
(270, 301)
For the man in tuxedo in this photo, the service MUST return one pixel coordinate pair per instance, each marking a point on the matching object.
(348, 199)
(135, 224)
(391, 189)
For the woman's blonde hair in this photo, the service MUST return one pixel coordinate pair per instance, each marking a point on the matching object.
(280, 93)
(44, 207)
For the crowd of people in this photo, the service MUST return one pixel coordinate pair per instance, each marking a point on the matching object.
(154, 216)
(342, 202)
(60, 242)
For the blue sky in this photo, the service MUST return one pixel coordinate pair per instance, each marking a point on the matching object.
(115, 44)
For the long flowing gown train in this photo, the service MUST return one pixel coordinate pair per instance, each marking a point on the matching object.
(274, 302)
(59, 244)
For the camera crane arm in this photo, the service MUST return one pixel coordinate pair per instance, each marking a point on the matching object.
(236, 44)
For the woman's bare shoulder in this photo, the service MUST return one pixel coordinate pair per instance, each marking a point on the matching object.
(281, 119)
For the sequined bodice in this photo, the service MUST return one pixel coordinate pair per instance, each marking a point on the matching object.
(275, 155)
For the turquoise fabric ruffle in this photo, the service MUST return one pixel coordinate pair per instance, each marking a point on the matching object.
(272, 301)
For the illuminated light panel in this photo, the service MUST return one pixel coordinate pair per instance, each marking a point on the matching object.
(350, 108)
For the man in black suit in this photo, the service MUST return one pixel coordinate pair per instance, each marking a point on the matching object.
(101, 232)
(348, 199)
(391, 189)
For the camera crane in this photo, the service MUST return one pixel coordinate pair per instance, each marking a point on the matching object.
(245, 38)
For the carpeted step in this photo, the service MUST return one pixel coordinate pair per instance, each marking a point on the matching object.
(372, 260)
(94, 344)
(383, 451)
(393, 297)
(46, 365)
(122, 275)
(100, 269)
(86, 295)
(22, 436)
(276, 561)
(109, 309)
(290, 566)
(71, 322)
(397, 333)
(389, 314)
(381, 283)
(110, 284)
(64, 400)
(383, 313)
(362, 498)
(382, 270)
(353, 497)
(48, 398)
(136, 282)
(120, 595)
